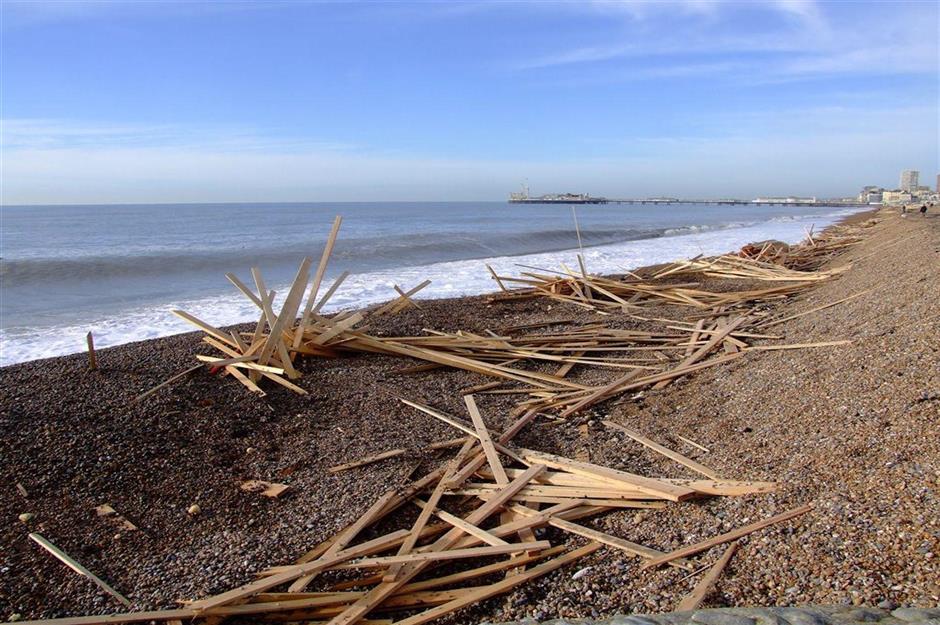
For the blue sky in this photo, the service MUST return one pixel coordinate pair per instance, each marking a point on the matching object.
(303, 101)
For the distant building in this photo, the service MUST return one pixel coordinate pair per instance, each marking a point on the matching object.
(897, 196)
(871, 195)
(784, 200)
(938, 183)
(909, 180)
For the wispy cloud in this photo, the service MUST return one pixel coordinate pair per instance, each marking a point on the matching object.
(793, 39)
(41, 134)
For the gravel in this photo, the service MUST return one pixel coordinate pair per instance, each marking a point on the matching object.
(852, 429)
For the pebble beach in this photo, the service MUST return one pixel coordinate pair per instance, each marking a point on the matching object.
(853, 429)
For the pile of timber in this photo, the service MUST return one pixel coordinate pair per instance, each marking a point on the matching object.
(365, 574)
(631, 293)
(727, 324)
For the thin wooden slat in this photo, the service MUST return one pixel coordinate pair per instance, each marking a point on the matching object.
(425, 515)
(616, 542)
(694, 599)
(500, 587)
(486, 441)
(457, 522)
(274, 341)
(439, 556)
(654, 487)
(369, 460)
(92, 359)
(727, 537)
(673, 455)
(165, 383)
(318, 277)
(73, 564)
(358, 610)
(205, 327)
(329, 293)
(347, 536)
(394, 303)
(337, 328)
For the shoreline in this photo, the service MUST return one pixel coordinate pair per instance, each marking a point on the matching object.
(854, 443)
(472, 269)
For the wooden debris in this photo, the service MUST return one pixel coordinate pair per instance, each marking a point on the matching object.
(92, 358)
(78, 568)
(694, 599)
(105, 510)
(369, 460)
(674, 455)
(727, 537)
(268, 489)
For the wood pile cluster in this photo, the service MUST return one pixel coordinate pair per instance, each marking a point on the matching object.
(815, 250)
(477, 516)
(534, 361)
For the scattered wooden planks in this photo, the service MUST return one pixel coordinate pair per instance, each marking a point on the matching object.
(365, 461)
(502, 484)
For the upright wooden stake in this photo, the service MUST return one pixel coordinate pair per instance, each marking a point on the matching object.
(92, 359)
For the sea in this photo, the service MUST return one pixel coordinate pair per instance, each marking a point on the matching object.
(119, 270)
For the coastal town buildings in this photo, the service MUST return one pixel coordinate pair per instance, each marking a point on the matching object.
(871, 195)
(909, 191)
(909, 180)
(896, 196)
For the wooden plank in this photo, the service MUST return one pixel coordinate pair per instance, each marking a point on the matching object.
(725, 488)
(672, 455)
(502, 287)
(347, 536)
(726, 537)
(275, 341)
(457, 522)
(245, 362)
(692, 443)
(329, 293)
(657, 488)
(566, 368)
(394, 303)
(285, 319)
(318, 277)
(73, 564)
(440, 556)
(205, 327)
(500, 587)
(92, 359)
(694, 599)
(486, 441)
(244, 289)
(165, 383)
(617, 542)
(709, 345)
(245, 380)
(337, 328)
(425, 515)
(405, 298)
(358, 610)
(369, 460)
(481, 571)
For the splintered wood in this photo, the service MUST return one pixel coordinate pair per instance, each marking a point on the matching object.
(725, 325)
(484, 502)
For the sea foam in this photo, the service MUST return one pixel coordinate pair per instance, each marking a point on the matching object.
(448, 279)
